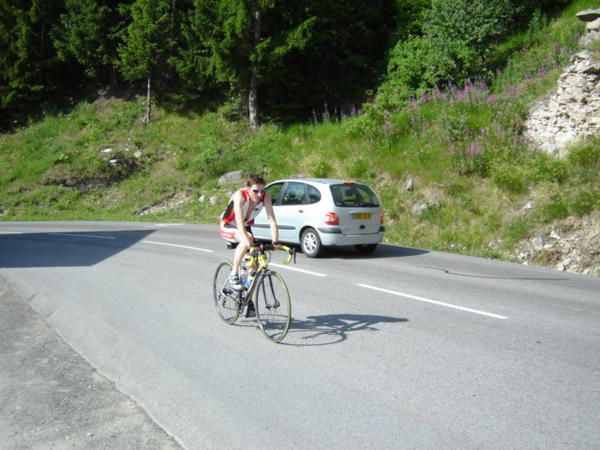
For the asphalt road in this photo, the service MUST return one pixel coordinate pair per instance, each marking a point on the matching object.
(402, 349)
(50, 397)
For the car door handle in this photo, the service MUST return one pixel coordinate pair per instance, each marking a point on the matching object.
(300, 210)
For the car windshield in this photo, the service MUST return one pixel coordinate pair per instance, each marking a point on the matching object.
(354, 195)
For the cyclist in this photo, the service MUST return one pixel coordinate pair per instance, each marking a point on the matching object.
(246, 203)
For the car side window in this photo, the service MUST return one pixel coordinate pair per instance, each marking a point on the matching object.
(314, 196)
(274, 191)
(294, 194)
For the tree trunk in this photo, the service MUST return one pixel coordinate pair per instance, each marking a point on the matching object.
(43, 32)
(148, 115)
(253, 91)
(113, 76)
(252, 101)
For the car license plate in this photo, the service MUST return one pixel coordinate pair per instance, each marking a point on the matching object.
(362, 216)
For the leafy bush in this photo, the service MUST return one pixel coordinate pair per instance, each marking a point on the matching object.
(476, 23)
(262, 151)
(509, 179)
(470, 160)
(202, 158)
(322, 169)
(517, 230)
(536, 26)
(359, 169)
(368, 125)
(550, 169)
(455, 127)
(406, 73)
(584, 201)
(555, 208)
(586, 155)
(455, 45)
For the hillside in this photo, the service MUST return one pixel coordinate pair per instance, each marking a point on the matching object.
(453, 168)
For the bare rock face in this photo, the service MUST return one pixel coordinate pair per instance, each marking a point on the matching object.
(171, 202)
(572, 112)
(571, 245)
(592, 19)
(230, 177)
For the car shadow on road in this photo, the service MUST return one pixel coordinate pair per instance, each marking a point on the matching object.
(65, 249)
(333, 328)
(382, 251)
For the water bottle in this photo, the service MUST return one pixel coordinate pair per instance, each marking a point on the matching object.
(249, 279)
(243, 274)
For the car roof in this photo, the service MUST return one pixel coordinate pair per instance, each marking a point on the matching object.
(328, 181)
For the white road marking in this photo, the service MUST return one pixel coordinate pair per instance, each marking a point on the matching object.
(435, 302)
(160, 225)
(179, 246)
(11, 232)
(298, 270)
(83, 235)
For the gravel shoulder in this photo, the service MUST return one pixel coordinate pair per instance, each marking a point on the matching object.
(51, 398)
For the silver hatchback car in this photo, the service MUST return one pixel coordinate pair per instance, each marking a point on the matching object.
(318, 213)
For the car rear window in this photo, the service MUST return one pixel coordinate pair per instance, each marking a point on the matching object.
(353, 195)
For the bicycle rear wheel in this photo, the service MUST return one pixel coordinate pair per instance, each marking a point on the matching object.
(273, 306)
(225, 297)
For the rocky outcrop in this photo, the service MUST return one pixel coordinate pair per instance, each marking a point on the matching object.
(230, 177)
(571, 245)
(173, 201)
(573, 111)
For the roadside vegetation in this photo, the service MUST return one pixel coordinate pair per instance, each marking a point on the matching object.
(445, 153)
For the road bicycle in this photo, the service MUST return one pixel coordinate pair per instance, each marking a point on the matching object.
(266, 289)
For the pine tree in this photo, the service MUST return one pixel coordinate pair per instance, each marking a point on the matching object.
(191, 54)
(231, 34)
(28, 67)
(244, 41)
(147, 44)
(89, 32)
(338, 58)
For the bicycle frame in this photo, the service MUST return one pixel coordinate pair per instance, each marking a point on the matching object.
(271, 295)
(258, 255)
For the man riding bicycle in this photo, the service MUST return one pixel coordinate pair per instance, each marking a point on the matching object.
(244, 205)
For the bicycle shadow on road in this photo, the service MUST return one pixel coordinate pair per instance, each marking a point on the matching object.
(332, 328)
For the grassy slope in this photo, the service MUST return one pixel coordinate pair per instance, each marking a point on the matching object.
(464, 149)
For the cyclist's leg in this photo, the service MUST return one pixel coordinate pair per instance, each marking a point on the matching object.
(240, 251)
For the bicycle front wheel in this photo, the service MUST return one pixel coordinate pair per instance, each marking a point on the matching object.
(226, 298)
(273, 306)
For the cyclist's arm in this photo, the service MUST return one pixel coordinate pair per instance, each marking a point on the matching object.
(271, 218)
(245, 238)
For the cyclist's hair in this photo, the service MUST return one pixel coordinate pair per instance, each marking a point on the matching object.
(254, 178)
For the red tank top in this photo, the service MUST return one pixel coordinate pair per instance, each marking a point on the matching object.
(228, 215)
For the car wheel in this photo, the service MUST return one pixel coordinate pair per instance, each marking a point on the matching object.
(365, 249)
(311, 243)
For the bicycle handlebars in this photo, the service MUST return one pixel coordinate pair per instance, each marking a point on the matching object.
(261, 248)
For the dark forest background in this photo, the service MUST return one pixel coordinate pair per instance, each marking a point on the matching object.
(274, 60)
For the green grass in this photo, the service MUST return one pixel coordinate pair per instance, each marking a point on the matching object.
(466, 154)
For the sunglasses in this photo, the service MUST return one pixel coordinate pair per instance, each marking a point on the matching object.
(258, 191)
